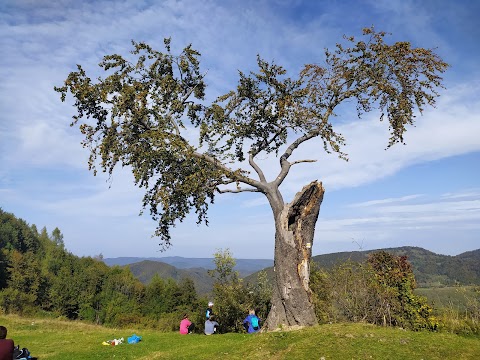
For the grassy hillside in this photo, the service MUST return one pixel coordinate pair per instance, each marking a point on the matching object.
(448, 298)
(58, 340)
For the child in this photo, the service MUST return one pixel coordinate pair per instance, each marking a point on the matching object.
(209, 311)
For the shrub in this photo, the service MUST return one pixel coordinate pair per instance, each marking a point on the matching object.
(378, 291)
(465, 321)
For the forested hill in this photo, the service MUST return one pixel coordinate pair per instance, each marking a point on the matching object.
(145, 271)
(243, 266)
(39, 276)
(430, 269)
(195, 269)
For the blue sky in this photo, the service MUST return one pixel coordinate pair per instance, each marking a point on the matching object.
(425, 194)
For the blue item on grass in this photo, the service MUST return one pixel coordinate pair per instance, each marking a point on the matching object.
(134, 339)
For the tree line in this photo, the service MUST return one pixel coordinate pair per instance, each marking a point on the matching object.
(39, 277)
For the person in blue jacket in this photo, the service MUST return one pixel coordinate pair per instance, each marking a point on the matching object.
(251, 322)
(209, 311)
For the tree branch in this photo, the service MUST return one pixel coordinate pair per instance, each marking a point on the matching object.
(268, 142)
(239, 190)
(284, 163)
(254, 165)
(255, 152)
(185, 98)
(302, 161)
(229, 172)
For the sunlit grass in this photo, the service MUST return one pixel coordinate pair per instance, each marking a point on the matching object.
(448, 297)
(55, 339)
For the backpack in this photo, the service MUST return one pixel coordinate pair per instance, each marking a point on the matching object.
(21, 353)
(254, 322)
(134, 339)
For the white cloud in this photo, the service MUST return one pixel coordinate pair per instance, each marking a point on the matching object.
(386, 221)
(473, 193)
(386, 201)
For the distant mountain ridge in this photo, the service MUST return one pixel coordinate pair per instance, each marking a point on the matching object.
(146, 269)
(430, 269)
(177, 267)
(244, 266)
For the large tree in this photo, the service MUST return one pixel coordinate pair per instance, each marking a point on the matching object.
(138, 116)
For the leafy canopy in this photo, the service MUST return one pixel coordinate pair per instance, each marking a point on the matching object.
(137, 115)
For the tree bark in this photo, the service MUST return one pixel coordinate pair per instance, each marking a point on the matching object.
(294, 231)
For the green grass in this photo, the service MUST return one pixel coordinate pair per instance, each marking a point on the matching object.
(447, 297)
(55, 339)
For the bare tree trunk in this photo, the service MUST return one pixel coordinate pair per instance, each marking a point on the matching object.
(295, 226)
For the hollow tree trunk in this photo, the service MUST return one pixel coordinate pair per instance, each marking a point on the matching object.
(294, 230)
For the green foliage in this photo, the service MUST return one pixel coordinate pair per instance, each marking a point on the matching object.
(224, 264)
(259, 295)
(53, 282)
(24, 283)
(397, 78)
(350, 293)
(230, 297)
(156, 298)
(379, 291)
(138, 111)
(166, 302)
(233, 298)
(3, 267)
(430, 269)
(169, 322)
(457, 309)
(473, 305)
(321, 288)
(394, 284)
(15, 234)
(64, 289)
(186, 294)
(57, 238)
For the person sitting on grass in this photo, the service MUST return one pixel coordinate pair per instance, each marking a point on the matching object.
(6, 345)
(186, 326)
(211, 326)
(251, 322)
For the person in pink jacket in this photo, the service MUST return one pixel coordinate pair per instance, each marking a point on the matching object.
(186, 326)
